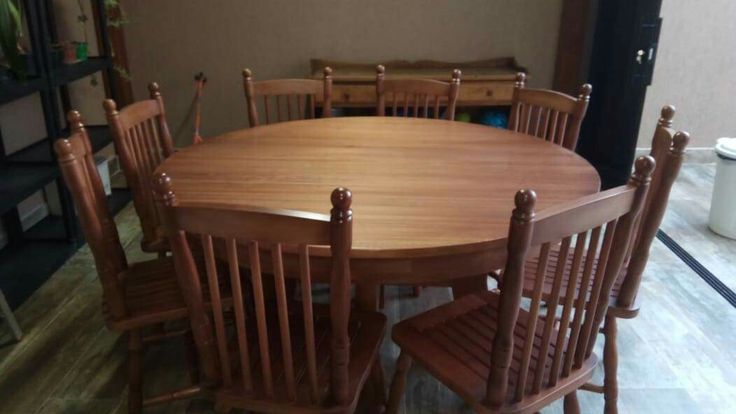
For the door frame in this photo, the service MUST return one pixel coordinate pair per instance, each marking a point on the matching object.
(598, 42)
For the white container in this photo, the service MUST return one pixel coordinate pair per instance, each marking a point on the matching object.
(722, 218)
(104, 171)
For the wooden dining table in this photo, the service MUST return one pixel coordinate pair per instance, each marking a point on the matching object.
(425, 191)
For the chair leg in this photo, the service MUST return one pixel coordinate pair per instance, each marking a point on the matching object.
(221, 408)
(570, 404)
(398, 384)
(7, 314)
(192, 357)
(610, 365)
(378, 382)
(135, 390)
(382, 297)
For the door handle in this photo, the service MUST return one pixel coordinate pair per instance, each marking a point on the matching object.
(639, 56)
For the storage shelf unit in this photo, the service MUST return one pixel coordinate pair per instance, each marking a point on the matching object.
(69, 73)
(41, 151)
(11, 90)
(39, 250)
(18, 182)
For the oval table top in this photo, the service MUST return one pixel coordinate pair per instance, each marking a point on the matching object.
(418, 184)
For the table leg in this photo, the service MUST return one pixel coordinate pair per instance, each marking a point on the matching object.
(469, 285)
(366, 294)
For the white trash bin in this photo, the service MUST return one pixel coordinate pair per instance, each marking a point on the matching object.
(723, 204)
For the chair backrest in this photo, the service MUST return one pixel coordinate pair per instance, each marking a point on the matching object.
(79, 170)
(142, 141)
(224, 231)
(415, 97)
(287, 99)
(553, 116)
(594, 229)
(668, 148)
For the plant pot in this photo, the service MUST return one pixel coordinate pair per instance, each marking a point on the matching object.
(57, 56)
(70, 53)
(82, 51)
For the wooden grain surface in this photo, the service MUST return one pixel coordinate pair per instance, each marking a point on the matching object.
(419, 186)
(498, 69)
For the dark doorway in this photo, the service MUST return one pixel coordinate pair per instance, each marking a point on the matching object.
(613, 46)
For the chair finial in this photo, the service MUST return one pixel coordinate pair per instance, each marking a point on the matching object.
(456, 75)
(341, 198)
(75, 120)
(247, 74)
(163, 191)
(327, 71)
(585, 90)
(679, 142)
(520, 80)
(524, 201)
(666, 115)
(380, 70)
(643, 168)
(154, 90)
(64, 150)
(110, 106)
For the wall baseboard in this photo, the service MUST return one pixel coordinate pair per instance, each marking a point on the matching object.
(694, 155)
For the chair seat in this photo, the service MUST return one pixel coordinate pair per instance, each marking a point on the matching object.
(366, 330)
(152, 295)
(453, 342)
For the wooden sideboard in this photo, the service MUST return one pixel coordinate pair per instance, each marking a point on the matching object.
(484, 83)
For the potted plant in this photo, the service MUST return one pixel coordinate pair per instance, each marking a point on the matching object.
(57, 54)
(70, 52)
(83, 46)
(11, 25)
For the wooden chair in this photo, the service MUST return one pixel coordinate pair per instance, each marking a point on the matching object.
(142, 141)
(303, 93)
(668, 148)
(278, 358)
(550, 115)
(417, 96)
(136, 296)
(500, 357)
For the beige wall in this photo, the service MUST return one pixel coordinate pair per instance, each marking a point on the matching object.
(695, 71)
(170, 40)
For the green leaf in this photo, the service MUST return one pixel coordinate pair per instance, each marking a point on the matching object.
(9, 37)
(16, 15)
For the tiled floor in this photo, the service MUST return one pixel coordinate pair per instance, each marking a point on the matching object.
(678, 356)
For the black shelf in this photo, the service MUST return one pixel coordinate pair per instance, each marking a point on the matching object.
(32, 256)
(41, 152)
(52, 226)
(65, 74)
(19, 181)
(28, 264)
(12, 89)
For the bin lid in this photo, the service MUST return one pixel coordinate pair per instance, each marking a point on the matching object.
(726, 148)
